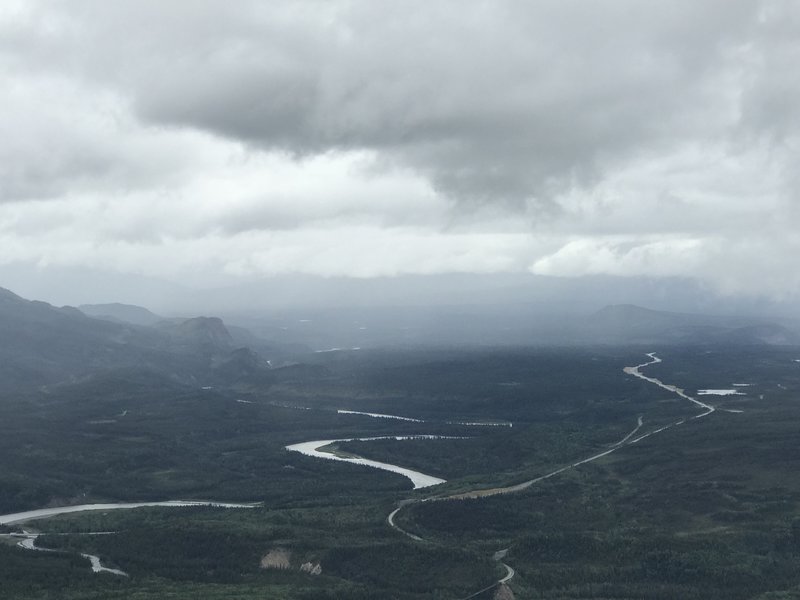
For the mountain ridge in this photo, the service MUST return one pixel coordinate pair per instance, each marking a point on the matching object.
(119, 312)
(43, 344)
(642, 325)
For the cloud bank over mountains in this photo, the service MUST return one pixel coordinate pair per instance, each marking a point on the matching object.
(208, 141)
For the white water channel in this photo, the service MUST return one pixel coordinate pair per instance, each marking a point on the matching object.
(672, 388)
(342, 411)
(42, 513)
(420, 480)
(28, 540)
(312, 448)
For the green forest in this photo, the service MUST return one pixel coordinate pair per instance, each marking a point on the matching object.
(704, 509)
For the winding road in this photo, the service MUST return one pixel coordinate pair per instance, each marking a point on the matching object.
(628, 440)
(419, 480)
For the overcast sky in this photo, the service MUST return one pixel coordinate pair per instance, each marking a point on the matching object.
(209, 141)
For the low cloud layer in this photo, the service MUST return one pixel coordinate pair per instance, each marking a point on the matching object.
(192, 141)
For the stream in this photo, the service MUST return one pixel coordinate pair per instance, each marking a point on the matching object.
(314, 449)
(42, 513)
(28, 540)
(626, 441)
(419, 480)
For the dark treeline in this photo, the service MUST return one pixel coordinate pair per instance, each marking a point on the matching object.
(704, 510)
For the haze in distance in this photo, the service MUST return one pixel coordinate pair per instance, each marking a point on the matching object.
(194, 159)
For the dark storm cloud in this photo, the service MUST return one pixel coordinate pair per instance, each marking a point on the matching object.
(214, 140)
(506, 101)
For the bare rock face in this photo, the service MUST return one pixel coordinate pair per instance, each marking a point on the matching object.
(203, 331)
(280, 558)
(277, 558)
(311, 568)
(503, 593)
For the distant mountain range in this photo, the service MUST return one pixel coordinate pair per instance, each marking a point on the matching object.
(198, 329)
(626, 323)
(511, 324)
(41, 344)
(121, 313)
